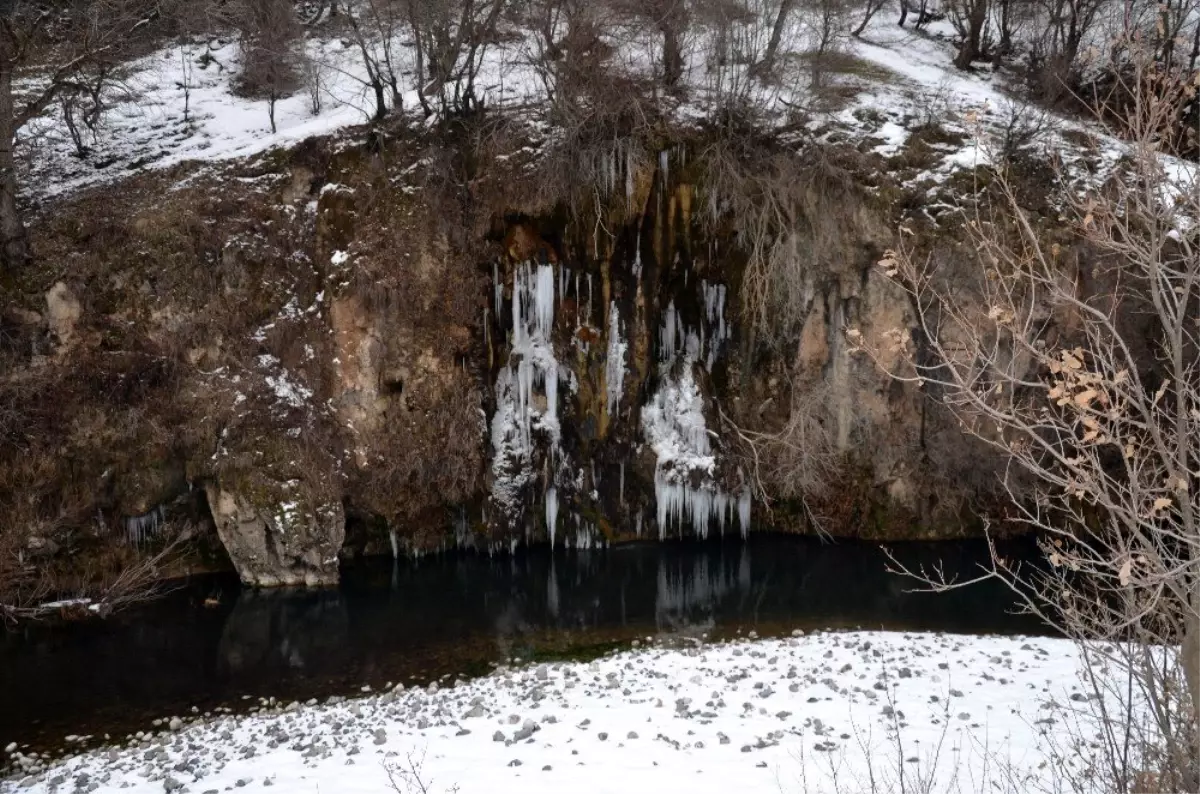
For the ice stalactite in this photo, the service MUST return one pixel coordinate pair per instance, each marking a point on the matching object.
(395, 544)
(614, 376)
(531, 365)
(671, 336)
(551, 512)
(714, 316)
(139, 528)
(673, 423)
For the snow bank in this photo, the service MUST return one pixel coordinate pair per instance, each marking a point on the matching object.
(821, 712)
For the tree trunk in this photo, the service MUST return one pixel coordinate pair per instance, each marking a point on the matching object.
(14, 244)
(768, 61)
(671, 26)
(977, 16)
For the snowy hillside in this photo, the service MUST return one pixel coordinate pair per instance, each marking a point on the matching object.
(179, 104)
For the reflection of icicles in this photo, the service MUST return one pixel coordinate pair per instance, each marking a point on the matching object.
(395, 544)
(551, 512)
(552, 590)
(744, 569)
(687, 596)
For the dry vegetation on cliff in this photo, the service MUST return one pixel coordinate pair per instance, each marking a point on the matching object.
(320, 331)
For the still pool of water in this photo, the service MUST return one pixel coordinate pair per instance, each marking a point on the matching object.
(212, 643)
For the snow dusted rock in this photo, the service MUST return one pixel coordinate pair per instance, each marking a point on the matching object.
(63, 311)
(277, 537)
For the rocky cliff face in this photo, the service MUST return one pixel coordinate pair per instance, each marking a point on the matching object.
(322, 349)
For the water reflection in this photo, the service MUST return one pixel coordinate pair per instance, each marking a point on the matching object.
(414, 620)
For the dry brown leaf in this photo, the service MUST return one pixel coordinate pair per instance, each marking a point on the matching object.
(1126, 573)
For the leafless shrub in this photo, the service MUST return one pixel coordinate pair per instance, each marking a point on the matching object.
(1022, 125)
(375, 26)
(451, 41)
(797, 217)
(1082, 369)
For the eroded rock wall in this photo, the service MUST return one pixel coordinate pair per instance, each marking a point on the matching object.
(330, 356)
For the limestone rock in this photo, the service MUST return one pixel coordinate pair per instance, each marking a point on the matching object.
(275, 536)
(63, 311)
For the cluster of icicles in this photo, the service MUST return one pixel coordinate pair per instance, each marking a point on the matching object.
(673, 422)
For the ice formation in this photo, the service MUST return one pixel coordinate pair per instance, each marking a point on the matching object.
(139, 528)
(614, 376)
(531, 364)
(551, 512)
(673, 424)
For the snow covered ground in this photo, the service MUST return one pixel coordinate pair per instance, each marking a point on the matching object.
(835, 711)
(179, 104)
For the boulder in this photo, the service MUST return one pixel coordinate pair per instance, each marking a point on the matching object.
(277, 535)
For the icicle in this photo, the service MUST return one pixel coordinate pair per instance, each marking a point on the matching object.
(551, 512)
(395, 544)
(666, 337)
(589, 302)
(552, 392)
(517, 315)
(639, 525)
(544, 300)
(614, 375)
(621, 491)
(664, 166)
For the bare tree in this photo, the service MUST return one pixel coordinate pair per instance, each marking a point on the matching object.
(1082, 366)
(50, 49)
(270, 43)
(376, 26)
(969, 18)
(767, 64)
(868, 10)
(451, 40)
